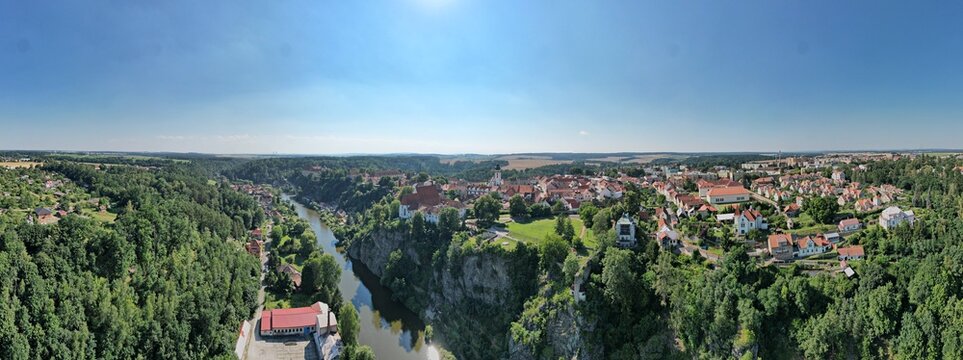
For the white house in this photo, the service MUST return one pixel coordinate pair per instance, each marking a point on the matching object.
(625, 231)
(894, 216)
(744, 221)
(727, 195)
(808, 246)
(849, 225)
(839, 176)
(433, 214)
(854, 252)
(667, 237)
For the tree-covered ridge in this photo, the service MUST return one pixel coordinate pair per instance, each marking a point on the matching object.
(277, 170)
(164, 281)
(339, 181)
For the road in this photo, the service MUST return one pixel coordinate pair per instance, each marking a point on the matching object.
(765, 200)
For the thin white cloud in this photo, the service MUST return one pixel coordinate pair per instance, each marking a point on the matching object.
(241, 137)
(171, 137)
(583, 133)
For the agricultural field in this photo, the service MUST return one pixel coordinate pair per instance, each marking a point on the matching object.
(522, 164)
(19, 164)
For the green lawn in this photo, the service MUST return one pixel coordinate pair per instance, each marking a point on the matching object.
(805, 225)
(107, 217)
(534, 231)
(297, 299)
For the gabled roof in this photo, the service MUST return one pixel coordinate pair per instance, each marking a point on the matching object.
(292, 318)
(778, 240)
(849, 222)
(852, 251)
(424, 196)
(724, 191)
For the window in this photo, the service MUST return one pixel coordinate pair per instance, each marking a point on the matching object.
(624, 229)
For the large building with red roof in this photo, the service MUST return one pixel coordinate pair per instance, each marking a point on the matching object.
(298, 321)
(727, 195)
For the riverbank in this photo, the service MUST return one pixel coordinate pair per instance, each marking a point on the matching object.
(391, 329)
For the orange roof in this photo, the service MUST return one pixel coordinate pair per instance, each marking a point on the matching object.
(852, 251)
(849, 222)
(290, 318)
(723, 191)
(425, 196)
(777, 240)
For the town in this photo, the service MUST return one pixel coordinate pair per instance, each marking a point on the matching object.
(762, 203)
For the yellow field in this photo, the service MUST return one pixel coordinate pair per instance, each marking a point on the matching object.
(645, 159)
(18, 164)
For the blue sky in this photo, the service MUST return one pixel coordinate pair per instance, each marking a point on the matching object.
(494, 76)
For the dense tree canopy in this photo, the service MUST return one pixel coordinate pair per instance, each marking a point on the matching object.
(162, 281)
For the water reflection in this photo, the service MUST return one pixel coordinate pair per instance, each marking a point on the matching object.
(392, 330)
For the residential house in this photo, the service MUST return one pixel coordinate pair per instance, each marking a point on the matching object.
(293, 273)
(433, 214)
(44, 216)
(839, 176)
(792, 210)
(667, 238)
(254, 247)
(849, 225)
(706, 210)
(572, 205)
(854, 252)
(744, 221)
(780, 246)
(625, 231)
(894, 216)
(812, 245)
(864, 205)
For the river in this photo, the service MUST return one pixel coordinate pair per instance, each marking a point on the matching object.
(393, 331)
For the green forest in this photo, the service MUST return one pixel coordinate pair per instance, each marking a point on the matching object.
(164, 280)
(161, 273)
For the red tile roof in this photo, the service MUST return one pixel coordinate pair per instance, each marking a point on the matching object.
(290, 318)
(723, 191)
(849, 222)
(777, 240)
(852, 251)
(424, 196)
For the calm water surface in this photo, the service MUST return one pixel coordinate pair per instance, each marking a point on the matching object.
(392, 331)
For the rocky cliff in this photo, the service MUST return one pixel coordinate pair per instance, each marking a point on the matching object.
(470, 294)
(563, 335)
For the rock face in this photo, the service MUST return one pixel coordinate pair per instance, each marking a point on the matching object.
(563, 334)
(481, 277)
(477, 290)
(477, 278)
(374, 251)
